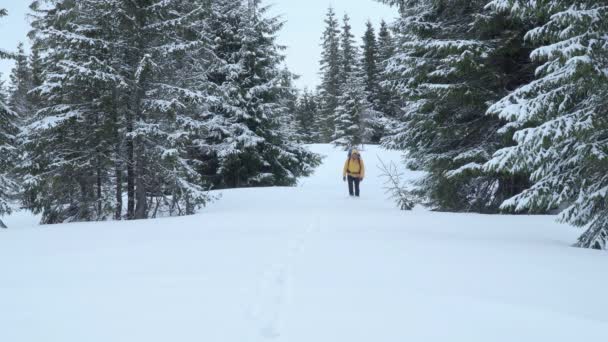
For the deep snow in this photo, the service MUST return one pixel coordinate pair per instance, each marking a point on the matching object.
(302, 264)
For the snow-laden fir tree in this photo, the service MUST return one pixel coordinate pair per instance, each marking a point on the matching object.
(371, 75)
(306, 113)
(561, 117)
(331, 71)
(446, 70)
(117, 108)
(21, 84)
(167, 101)
(387, 102)
(35, 67)
(8, 154)
(354, 113)
(67, 152)
(350, 53)
(385, 42)
(289, 101)
(8, 131)
(369, 52)
(250, 142)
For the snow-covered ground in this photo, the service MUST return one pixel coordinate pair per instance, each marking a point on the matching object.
(299, 265)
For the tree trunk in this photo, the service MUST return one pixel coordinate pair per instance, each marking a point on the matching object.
(118, 212)
(130, 169)
(99, 191)
(140, 190)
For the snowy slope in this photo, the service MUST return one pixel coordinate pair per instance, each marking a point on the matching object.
(302, 264)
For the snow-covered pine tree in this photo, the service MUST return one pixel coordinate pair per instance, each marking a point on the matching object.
(67, 148)
(306, 114)
(369, 62)
(331, 71)
(371, 74)
(250, 143)
(289, 101)
(561, 117)
(350, 53)
(354, 113)
(35, 66)
(21, 84)
(167, 91)
(388, 102)
(386, 43)
(8, 130)
(446, 72)
(120, 93)
(8, 154)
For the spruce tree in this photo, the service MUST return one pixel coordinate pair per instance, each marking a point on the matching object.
(370, 61)
(250, 143)
(36, 69)
(165, 105)
(386, 44)
(561, 116)
(388, 101)
(21, 84)
(354, 113)
(331, 76)
(349, 50)
(8, 131)
(66, 151)
(120, 106)
(306, 115)
(8, 154)
(371, 72)
(446, 70)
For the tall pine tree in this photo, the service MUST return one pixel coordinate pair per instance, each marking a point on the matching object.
(331, 76)
(354, 113)
(370, 60)
(8, 154)
(67, 154)
(8, 130)
(349, 50)
(21, 84)
(250, 142)
(117, 102)
(446, 71)
(36, 71)
(561, 116)
(388, 101)
(165, 42)
(371, 64)
(306, 113)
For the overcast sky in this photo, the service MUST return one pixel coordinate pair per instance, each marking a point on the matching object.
(302, 32)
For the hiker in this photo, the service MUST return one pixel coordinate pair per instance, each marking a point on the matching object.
(354, 172)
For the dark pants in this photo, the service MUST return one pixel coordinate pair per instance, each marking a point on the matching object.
(353, 182)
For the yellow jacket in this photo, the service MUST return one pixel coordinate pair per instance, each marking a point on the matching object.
(354, 168)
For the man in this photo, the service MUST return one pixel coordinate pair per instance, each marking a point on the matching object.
(354, 172)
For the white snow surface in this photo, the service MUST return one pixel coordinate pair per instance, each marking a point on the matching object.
(302, 264)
